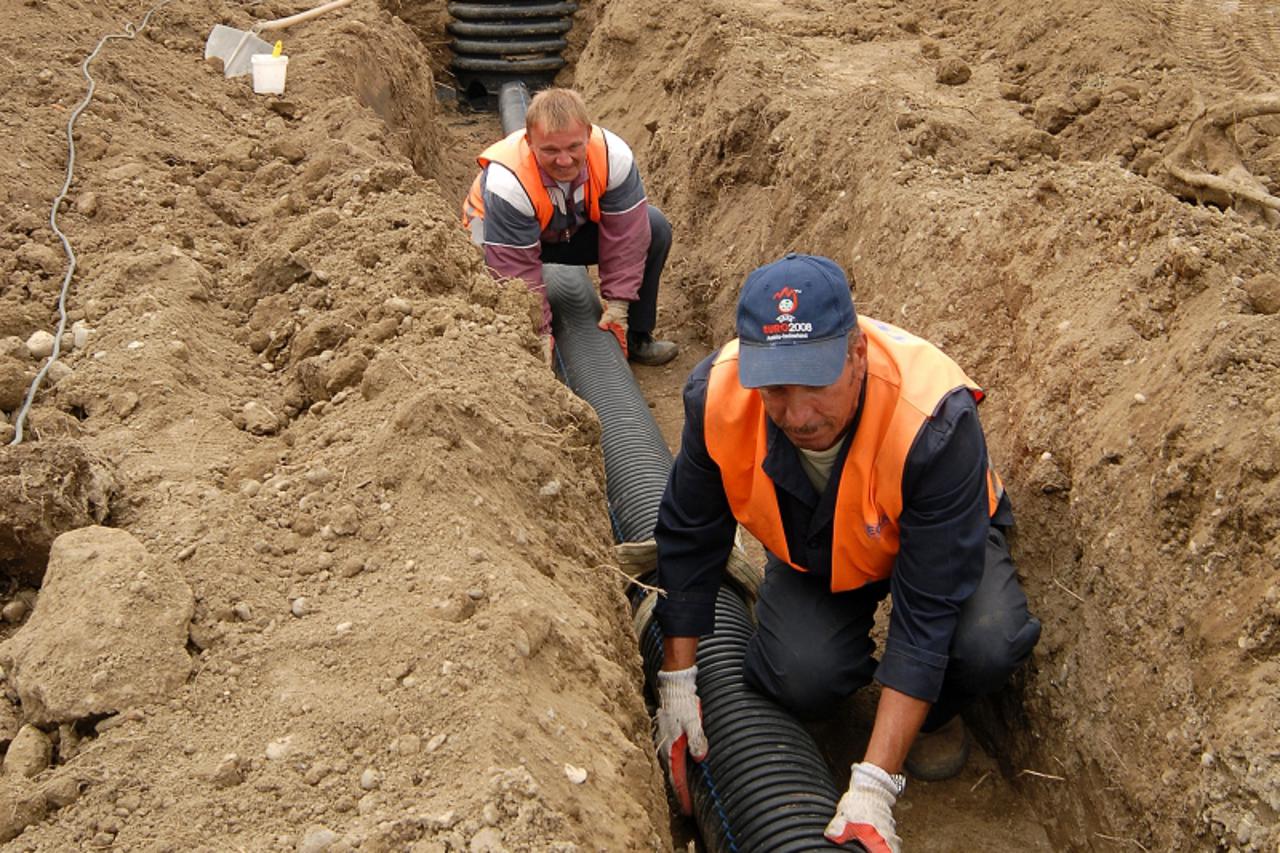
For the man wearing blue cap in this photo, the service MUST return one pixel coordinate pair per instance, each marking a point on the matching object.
(852, 450)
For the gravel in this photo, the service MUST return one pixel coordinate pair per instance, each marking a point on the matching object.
(40, 344)
(316, 839)
(29, 753)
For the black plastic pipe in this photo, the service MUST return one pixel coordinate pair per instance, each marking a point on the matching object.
(505, 29)
(588, 358)
(764, 786)
(534, 65)
(496, 41)
(513, 103)
(509, 46)
(510, 11)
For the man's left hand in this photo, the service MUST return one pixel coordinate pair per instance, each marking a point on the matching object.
(865, 812)
(613, 318)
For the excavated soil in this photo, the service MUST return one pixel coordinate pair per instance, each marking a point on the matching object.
(299, 416)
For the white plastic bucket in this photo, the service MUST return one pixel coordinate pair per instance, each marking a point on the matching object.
(268, 73)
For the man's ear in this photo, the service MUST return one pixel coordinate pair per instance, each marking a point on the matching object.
(861, 345)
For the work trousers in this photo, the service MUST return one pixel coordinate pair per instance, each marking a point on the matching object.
(583, 249)
(812, 647)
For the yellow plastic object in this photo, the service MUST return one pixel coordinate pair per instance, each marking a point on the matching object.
(278, 49)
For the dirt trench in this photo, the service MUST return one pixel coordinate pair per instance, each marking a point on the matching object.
(997, 179)
(304, 398)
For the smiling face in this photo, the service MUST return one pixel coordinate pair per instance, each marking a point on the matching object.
(561, 153)
(815, 418)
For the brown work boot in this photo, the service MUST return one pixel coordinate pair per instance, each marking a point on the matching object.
(939, 754)
(647, 350)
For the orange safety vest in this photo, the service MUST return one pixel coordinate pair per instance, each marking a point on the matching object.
(514, 152)
(907, 379)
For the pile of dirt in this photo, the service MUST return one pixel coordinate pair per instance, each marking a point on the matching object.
(306, 401)
(295, 392)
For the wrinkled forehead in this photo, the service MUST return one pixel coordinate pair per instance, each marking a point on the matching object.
(566, 131)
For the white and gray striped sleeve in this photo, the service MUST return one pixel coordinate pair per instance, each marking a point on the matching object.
(624, 190)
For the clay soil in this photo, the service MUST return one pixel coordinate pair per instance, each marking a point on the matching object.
(329, 432)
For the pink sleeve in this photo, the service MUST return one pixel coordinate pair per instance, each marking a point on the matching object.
(624, 242)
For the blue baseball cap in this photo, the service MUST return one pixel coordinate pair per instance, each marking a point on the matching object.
(794, 318)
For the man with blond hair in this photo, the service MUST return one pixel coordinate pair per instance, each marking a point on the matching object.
(566, 191)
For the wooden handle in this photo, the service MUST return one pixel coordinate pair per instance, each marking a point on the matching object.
(281, 23)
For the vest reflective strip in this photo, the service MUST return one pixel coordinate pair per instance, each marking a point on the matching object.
(869, 500)
(513, 152)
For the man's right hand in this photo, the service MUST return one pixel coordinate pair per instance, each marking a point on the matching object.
(865, 812)
(613, 318)
(680, 730)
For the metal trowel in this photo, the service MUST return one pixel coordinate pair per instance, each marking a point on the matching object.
(235, 47)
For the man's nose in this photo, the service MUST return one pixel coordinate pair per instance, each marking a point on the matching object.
(797, 413)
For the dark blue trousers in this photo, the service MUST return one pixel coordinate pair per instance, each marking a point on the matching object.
(813, 648)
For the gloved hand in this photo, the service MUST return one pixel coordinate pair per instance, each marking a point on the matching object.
(680, 730)
(613, 318)
(865, 812)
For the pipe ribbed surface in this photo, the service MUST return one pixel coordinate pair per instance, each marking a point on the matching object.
(504, 29)
(636, 457)
(763, 785)
(508, 46)
(500, 40)
(532, 65)
(510, 11)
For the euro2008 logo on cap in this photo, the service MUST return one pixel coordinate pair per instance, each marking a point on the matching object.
(788, 299)
(785, 326)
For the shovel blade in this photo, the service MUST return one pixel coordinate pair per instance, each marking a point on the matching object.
(234, 47)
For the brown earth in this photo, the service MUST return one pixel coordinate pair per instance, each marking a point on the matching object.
(302, 396)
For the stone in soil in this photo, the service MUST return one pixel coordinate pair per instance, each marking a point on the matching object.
(15, 380)
(120, 648)
(21, 805)
(317, 839)
(29, 753)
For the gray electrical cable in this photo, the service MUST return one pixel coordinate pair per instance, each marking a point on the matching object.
(130, 32)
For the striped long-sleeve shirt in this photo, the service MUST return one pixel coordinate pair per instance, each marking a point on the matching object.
(512, 238)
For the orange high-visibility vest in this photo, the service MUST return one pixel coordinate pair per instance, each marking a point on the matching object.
(907, 379)
(514, 152)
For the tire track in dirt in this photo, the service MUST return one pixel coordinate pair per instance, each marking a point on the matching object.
(1235, 41)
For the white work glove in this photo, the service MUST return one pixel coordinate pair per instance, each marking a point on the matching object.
(680, 730)
(865, 812)
(613, 318)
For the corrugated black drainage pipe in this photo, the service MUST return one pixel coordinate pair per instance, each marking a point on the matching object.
(764, 786)
(636, 457)
(513, 103)
(497, 41)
